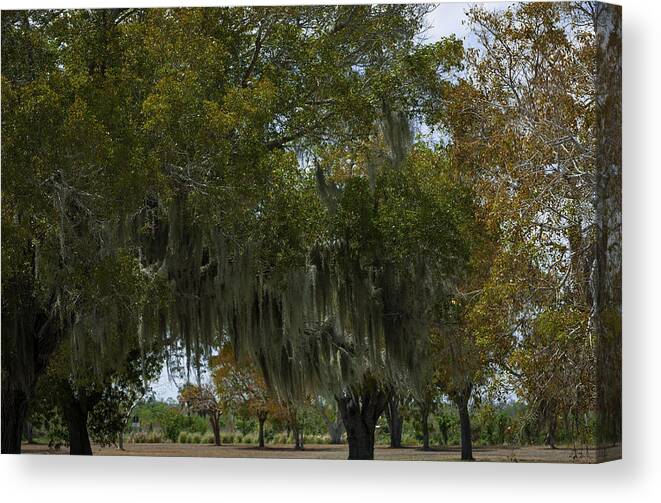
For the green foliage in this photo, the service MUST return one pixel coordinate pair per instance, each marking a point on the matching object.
(140, 137)
(52, 424)
(230, 438)
(246, 425)
(167, 418)
(447, 424)
(493, 426)
(246, 181)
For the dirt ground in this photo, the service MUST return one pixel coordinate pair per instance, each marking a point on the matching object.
(534, 454)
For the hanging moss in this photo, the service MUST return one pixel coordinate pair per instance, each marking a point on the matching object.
(318, 325)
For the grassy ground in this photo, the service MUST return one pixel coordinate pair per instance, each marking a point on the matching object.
(316, 451)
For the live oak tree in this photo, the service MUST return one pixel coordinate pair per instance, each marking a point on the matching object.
(74, 395)
(155, 127)
(66, 272)
(95, 406)
(279, 300)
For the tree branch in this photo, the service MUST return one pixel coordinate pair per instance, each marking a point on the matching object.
(255, 57)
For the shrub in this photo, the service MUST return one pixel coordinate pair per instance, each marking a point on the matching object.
(137, 437)
(195, 438)
(268, 436)
(318, 439)
(409, 439)
(184, 437)
(172, 422)
(246, 425)
(196, 424)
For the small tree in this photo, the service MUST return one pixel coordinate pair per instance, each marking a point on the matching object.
(121, 394)
(205, 401)
(242, 388)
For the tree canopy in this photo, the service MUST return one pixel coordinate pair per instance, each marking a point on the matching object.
(250, 184)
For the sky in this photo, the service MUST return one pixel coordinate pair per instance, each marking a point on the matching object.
(446, 19)
(165, 388)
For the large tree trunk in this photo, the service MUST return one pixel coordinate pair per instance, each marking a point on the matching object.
(261, 418)
(360, 410)
(461, 400)
(76, 406)
(360, 434)
(14, 409)
(394, 421)
(29, 338)
(76, 413)
(607, 273)
(424, 421)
